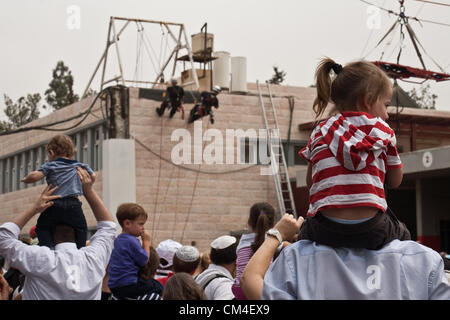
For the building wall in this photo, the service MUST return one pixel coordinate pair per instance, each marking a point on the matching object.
(191, 206)
(16, 202)
(183, 205)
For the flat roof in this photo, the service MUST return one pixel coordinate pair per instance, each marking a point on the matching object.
(418, 116)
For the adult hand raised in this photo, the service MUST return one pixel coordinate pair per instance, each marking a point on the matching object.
(288, 226)
(45, 200)
(86, 180)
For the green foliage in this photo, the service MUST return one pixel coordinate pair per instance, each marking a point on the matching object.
(60, 92)
(423, 97)
(278, 77)
(25, 110)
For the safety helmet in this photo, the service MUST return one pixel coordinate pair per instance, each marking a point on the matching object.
(217, 89)
(174, 80)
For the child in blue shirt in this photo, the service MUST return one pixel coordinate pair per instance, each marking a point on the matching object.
(129, 255)
(61, 171)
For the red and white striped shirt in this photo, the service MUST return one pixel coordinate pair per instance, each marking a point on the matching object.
(350, 154)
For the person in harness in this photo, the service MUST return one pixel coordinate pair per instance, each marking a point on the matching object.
(173, 99)
(207, 101)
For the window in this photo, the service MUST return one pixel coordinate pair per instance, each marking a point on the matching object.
(291, 151)
(88, 149)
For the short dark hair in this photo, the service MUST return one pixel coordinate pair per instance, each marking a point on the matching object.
(223, 256)
(63, 233)
(183, 266)
(129, 211)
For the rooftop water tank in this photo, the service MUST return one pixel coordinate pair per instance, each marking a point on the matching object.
(198, 42)
(238, 74)
(221, 69)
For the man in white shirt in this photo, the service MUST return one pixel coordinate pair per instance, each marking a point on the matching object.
(218, 278)
(66, 273)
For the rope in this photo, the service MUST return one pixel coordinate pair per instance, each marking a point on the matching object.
(157, 185)
(193, 191)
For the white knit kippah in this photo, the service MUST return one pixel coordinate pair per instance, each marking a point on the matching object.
(188, 253)
(223, 242)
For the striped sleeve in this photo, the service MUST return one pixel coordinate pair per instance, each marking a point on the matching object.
(393, 158)
(305, 153)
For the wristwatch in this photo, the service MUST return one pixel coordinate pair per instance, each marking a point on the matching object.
(274, 233)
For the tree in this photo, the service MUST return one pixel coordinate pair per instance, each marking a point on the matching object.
(60, 93)
(278, 76)
(21, 112)
(423, 97)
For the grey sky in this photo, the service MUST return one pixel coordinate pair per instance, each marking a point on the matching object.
(293, 34)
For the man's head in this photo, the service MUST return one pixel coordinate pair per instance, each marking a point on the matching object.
(223, 250)
(174, 81)
(63, 233)
(186, 259)
(132, 218)
(60, 146)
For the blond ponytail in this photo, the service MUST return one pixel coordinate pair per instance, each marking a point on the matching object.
(323, 85)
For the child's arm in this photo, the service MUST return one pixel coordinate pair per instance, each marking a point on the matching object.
(33, 177)
(394, 171)
(394, 177)
(146, 242)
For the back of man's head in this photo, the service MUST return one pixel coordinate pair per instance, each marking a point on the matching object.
(223, 250)
(186, 259)
(63, 233)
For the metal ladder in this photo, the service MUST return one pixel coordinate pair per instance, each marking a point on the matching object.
(281, 179)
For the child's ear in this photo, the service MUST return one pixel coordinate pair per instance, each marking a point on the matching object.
(365, 105)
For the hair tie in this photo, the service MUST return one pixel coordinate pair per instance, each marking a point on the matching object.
(337, 68)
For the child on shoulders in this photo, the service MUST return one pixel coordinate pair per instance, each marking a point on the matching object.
(351, 155)
(61, 171)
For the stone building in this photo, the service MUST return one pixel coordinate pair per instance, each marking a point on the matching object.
(132, 150)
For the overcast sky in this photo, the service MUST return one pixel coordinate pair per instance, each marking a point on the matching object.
(293, 34)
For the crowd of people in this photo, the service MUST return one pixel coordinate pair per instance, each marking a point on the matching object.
(349, 246)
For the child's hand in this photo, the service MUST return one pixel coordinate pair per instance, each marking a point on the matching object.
(145, 236)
